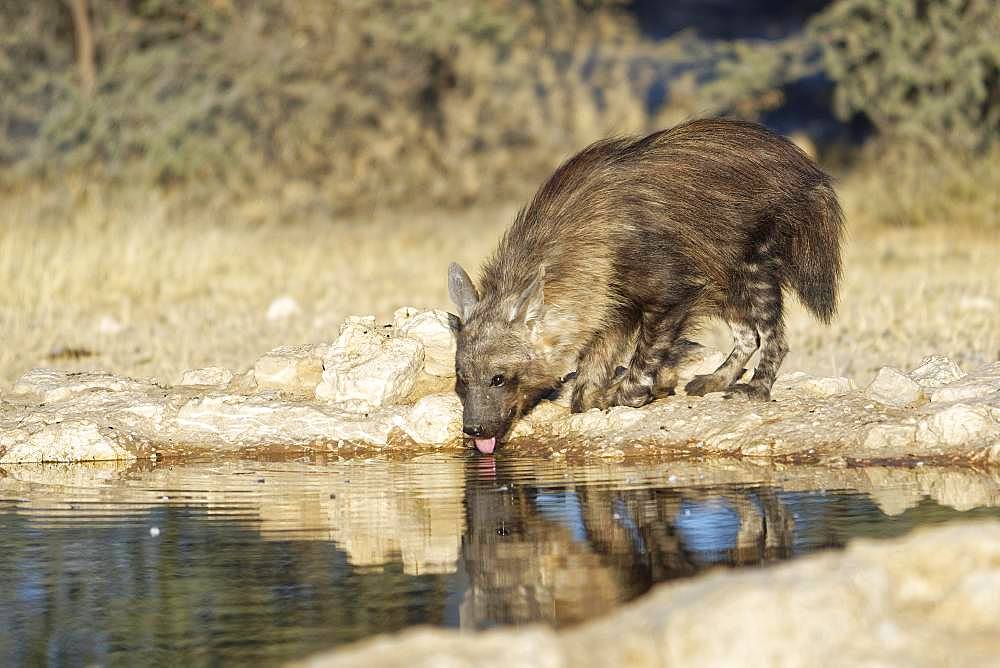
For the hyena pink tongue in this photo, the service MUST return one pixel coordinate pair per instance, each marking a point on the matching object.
(486, 445)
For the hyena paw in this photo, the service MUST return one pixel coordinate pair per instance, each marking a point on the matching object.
(702, 384)
(636, 396)
(587, 396)
(752, 392)
(666, 383)
(665, 391)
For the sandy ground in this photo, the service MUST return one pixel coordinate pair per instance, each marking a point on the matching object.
(127, 288)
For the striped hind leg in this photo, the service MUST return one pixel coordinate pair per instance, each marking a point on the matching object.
(755, 315)
(773, 348)
(767, 315)
(745, 342)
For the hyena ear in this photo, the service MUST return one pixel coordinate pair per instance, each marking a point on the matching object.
(461, 290)
(530, 303)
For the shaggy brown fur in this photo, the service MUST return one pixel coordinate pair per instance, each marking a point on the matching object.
(624, 249)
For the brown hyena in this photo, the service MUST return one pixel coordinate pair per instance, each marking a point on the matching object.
(624, 249)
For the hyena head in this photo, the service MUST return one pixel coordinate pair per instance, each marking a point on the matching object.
(500, 365)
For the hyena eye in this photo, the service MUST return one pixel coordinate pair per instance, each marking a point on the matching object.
(498, 380)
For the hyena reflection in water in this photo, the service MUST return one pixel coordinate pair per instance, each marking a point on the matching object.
(561, 555)
(624, 250)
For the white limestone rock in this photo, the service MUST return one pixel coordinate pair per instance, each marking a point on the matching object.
(890, 437)
(433, 330)
(212, 376)
(892, 387)
(737, 434)
(982, 382)
(818, 386)
(935, 371)
(367, 365)
(52, 385)
(293, 370)
(76, 440)
(957, 425)
(237, 419)
(435, 419)
(596, 422)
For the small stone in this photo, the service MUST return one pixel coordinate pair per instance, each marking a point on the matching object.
(817, 386)
(521, 429)
(935, 371)
(824, 386)
(283, 308)
(294, 370)
(109, 325)
(892, 387)
(976, 303)
(215, 376)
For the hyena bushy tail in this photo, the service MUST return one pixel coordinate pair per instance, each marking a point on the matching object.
(815, 252)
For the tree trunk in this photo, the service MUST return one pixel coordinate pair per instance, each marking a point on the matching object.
(84, 46)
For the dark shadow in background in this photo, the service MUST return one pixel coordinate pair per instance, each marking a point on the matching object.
(725, 19)
(808, 103)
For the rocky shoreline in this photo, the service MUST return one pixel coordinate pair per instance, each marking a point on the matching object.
(928, 598)
(388, 388)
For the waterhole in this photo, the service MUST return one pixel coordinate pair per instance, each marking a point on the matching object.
(259, 562)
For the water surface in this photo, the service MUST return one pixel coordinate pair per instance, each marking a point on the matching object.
(198, 563)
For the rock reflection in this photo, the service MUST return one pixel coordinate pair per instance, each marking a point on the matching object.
(413, 511)
(378, 511)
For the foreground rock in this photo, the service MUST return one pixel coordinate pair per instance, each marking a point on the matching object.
(380, 386)
(929, 599)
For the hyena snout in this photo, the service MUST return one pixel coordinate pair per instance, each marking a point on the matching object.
(484, 420)
(473, 429)
(479, 427)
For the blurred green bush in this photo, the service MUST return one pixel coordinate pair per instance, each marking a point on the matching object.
(366, 103)
(920, 70)
(926, 73)
(380, 102)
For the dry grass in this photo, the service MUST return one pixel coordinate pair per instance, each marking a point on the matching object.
(194, 292)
